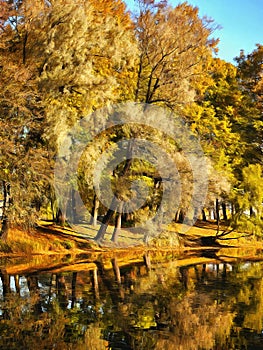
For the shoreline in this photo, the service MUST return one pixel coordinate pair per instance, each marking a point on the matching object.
(52, 240)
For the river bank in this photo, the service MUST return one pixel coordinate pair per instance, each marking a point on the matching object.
(51, 243)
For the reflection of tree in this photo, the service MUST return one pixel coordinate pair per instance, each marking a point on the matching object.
(73, 289)
(193, 326)
(60, 327)
(61, 289)
(249, 305)
(175, 309)
(32, 283)
(5, 282)
(166, 307)
(5, 279)
(239, 290)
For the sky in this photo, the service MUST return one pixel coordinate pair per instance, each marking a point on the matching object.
(241, 23)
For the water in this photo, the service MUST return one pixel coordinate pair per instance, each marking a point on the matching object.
(173, 305)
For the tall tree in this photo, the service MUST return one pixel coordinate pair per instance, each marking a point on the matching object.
(250, 76)
(24, 158)
(175, 51)
(174, 54)
(89, 60)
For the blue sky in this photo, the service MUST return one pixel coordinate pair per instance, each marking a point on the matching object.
(241, 22)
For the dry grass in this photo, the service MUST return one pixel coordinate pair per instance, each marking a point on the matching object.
(48, 241)
(51, 239)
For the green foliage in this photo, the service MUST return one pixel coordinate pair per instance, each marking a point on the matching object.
(253, 188)
(253, 225)
(249, 198)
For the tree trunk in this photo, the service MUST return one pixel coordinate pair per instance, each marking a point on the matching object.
(117, 228)
(177, 216)
(17, 284)
(217, 215)
(126, 217)
(116, 270)
(147, 261)
(95, 283)
(203, 275)
(73, 203)
(115, 202)
(70, 211)
(5, 278)
(61, 291)
(6, 204)
(204, 215)
(184, 277)
(5, 229)
(224, 211)
(95, 211)
(73, 289)
(106, 220)
(53, 210)
(60, 218)
(52, 205)
(217, 209)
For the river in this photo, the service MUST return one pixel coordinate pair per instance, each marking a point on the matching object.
(173, 304)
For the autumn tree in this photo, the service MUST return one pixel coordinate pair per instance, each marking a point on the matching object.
(249, 197)
(24, 156)
(247, 122)
(88, 63)
(60, 61)
(174, 53)
(227, 122)
(250, 77)
(215, 118)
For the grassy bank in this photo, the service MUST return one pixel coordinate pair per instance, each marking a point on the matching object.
(49, 239)
(53, 248)
(44, 241)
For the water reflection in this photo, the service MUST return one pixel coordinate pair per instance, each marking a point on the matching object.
(134, 307)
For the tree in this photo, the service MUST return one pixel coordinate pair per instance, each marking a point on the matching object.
(89, 60)
(249, 198)
(226, 121)
(59, 62)
(250, 77)
(175, 51)
(24, 157)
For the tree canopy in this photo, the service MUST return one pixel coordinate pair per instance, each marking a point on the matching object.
(61, 61)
